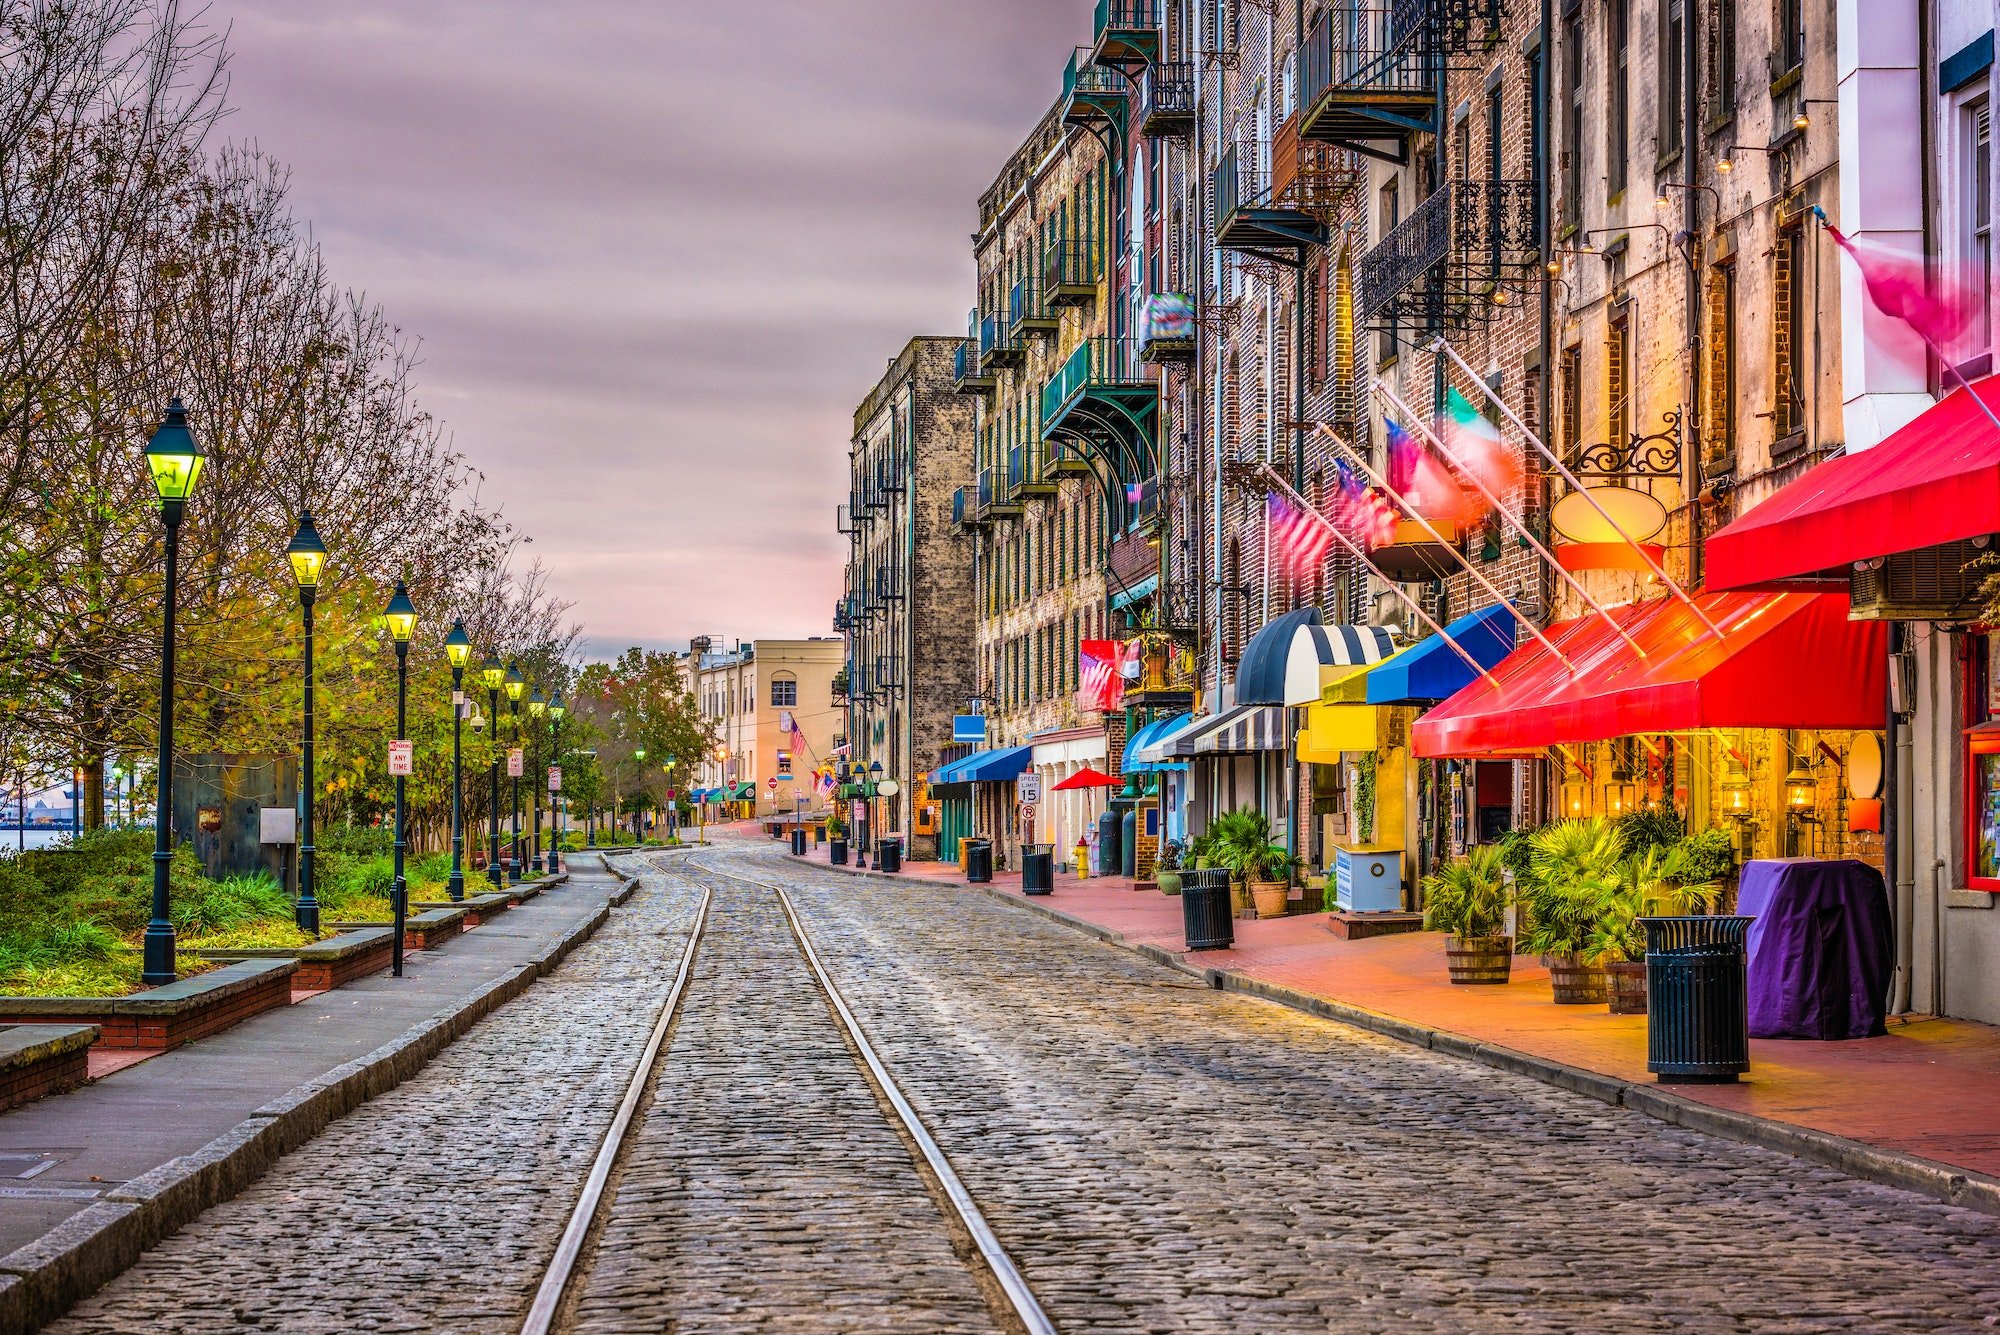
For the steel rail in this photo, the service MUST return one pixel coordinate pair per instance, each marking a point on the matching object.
(562, 1267)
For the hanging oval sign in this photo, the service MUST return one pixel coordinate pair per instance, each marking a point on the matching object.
(1634, 511)
(1864, 766)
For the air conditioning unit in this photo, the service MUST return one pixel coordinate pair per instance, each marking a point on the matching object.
(1934, 584)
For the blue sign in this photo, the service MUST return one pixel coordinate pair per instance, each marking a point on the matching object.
(968, 728)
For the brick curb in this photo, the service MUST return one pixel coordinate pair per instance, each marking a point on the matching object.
(45, 1278)
(1891, 1168)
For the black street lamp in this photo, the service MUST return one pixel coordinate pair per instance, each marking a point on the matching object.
(457, 648)
(492, 674)
(558, 809)
(874, 830)
(174, 460)
(537, 707)
(402, 618)
(673, 799)
(308, 557)
(516, 683)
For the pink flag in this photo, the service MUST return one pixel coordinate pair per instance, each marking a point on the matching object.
(1423, 481)
(1100, 685)
(1897, 285)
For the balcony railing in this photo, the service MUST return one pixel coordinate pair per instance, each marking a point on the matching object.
(1092, 94)
(1097, 363)
(889, 473)
(1128, 31)
(966, 374)
(1458, 242)
(888, 585)
(1365, 75)
(960, 505)
(1071, 270)
(888, 672)
(1027, 312)
(843, 519)
(1166, 99)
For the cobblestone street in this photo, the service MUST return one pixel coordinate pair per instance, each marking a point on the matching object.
(1153, 1155)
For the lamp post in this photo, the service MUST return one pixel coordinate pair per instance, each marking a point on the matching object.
(308, 557)
(516, 683)
(673, 801)
(537, 707)
(556, 711)
(798, 821)
(174, 460)
(458, 649)
(638, 754)
(402, 618)
(492, 674)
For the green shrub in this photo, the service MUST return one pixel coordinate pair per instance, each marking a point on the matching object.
(1573, 870)
(1648, 828)
(360, 842)
(1468, 896)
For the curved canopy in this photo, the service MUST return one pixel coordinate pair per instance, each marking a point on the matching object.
(1315, 648)
(985, 766)
(1135, 761)
(1432, 670)
(1260, 673)
(1158, 749)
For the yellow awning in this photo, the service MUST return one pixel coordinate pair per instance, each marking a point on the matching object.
(1332, 730)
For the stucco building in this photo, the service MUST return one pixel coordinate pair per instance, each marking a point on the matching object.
(749, 692)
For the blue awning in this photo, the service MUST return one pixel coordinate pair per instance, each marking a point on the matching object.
(1431, 670)
(985, 766)
(1133, 763)
(1145, 588)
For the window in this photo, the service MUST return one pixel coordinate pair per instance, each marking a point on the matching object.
(1978, 224)
(1790, 46)
(1982, 770)
(1721, 58)
(1389, 214)
(1788, 320)
(1618, 16)
(1573, 114)
(1537, 150)
(1572, 398)
(1721, 425)
(784, 693)
(1673, 40)
(1618, 380)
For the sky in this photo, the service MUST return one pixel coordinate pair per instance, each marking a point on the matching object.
(656, 252)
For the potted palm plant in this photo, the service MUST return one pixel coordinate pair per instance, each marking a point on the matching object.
(1467, 899)
(1650, 884)
(1243, 845)
(836, 839)
(1167, 871)
(1573, 874)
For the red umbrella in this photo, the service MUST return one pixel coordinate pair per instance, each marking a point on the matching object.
(1087, 778)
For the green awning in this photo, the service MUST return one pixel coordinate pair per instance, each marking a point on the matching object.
(746, 791)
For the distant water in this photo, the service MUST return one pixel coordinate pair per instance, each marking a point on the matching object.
(12, 840)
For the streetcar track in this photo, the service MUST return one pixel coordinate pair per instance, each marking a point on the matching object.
(999, 1281)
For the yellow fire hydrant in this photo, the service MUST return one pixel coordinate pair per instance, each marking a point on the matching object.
(1082, 860)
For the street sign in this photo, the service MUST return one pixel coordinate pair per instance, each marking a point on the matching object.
(277, 825)
(402, 759)
(1028, 787)
(968, 727)
(516, 767)
(555, 778)
(772, 783)
(671, 795)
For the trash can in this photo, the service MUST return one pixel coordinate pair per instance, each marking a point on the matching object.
(799, 841)
(1110, 856)
(836, 852)
(1205, 908)
(1697, 999)
(888, 854)
(1038, 869)
(978, 861)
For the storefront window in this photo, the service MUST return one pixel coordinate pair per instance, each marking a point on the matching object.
(1982, 739)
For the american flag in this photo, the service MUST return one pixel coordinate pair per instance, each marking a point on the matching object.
(1299, 539)
(1100, 684)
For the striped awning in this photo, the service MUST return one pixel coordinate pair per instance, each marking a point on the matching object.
(1156, 749)
(1239, 730)
(1321, 653)
(1135, 761)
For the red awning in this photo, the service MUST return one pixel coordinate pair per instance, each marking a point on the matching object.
(1785, 660)
(1935, 481)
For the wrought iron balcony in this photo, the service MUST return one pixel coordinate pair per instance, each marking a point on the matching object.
(888, 674)
(1127, 32)
(966, 375)
(890, 476)
(1008, 347)
(1166, 99)
(1060, 458)
(1071, 271)
(843, 519)
(1103, 388)
(1027, 311)
(1028, 471)
(994, 501)
(1092, 94)
(1439, 265)
(843, 618)
(1251, 218)
(1366, 79)
(841, 681)
(888, 585)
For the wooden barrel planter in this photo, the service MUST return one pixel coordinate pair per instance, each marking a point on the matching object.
(1479, 959)
(1628, 987)
(1576, 983)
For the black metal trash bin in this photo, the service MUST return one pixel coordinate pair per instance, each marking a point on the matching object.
(978, 861)
(799, 842)
(1697, 999)
(1038, 869)
(836, 852)
(888, 855)
(1205, 908)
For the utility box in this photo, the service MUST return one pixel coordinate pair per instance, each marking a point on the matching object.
(1368, 880)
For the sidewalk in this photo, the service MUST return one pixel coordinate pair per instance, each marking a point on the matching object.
(1928, 1089)
(140, 1117)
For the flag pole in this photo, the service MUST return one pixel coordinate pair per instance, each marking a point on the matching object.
(1660, 571)
(1278, 483)
(1535, 542)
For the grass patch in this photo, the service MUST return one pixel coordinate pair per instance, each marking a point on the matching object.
(257, 936)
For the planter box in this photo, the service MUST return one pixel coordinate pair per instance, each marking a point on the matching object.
(355, 953)
(166, 1017)
(41, 1059)
(478, 908)
(421, 931)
